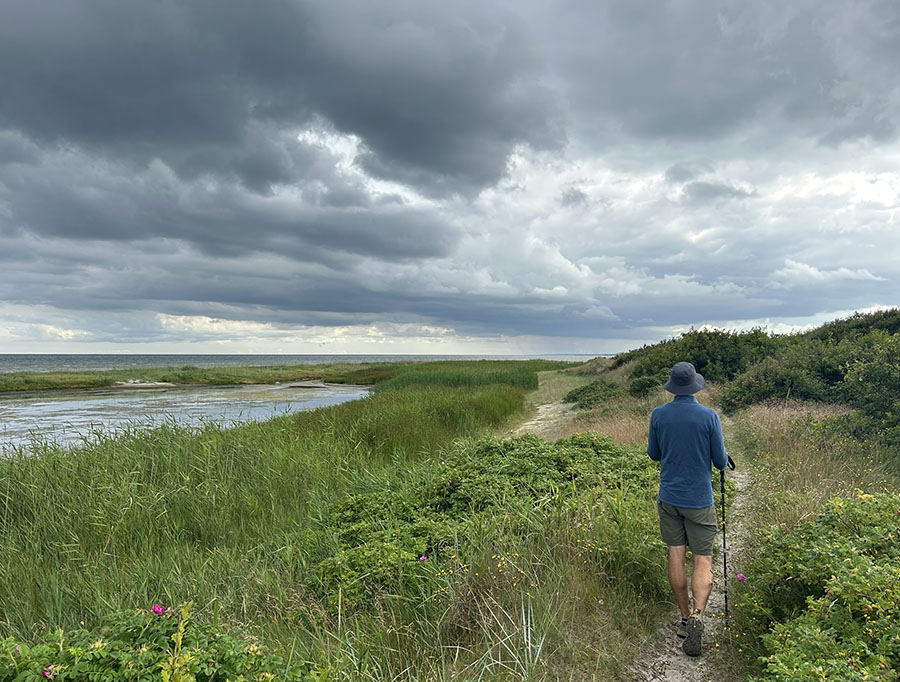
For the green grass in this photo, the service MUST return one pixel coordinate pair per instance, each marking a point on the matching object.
(305, 532)
(479, 373)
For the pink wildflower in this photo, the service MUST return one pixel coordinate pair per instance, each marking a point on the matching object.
(741, 577)
(158, 610)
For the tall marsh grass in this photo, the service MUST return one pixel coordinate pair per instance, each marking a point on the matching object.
(213, 514)
(479, 373)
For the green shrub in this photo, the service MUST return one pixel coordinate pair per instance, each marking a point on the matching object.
(593, 394)
(824, 596)
(858, 324)
(872, 381)
(862, 371)
(160, 644)
(385, 536)
(773, 378)
(717, 355)
(644, 386)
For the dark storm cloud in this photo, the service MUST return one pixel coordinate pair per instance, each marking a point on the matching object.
(692, 70)
(437, 94)
(575, 169)
(51, 199)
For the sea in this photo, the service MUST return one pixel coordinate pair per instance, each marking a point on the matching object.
(38, 362)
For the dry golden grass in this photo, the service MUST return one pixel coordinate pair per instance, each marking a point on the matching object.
(628, 418)
(799, 463)
(711, 394)
(553, 385)
(623, 427)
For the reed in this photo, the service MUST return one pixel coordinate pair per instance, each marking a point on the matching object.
(206, 514)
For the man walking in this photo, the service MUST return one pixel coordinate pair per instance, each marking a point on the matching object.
(686, 438)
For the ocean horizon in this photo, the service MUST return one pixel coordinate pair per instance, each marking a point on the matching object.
(94, 362)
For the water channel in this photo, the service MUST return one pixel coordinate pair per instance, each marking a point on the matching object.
(72, 417)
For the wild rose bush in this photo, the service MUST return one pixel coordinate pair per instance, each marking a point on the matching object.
(156, 644)
(383, 535)
(824, 599)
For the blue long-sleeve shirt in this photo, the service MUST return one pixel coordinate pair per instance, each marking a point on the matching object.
(687, 438)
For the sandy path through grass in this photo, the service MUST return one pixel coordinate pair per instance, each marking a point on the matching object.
(547, 418)
(662, 659)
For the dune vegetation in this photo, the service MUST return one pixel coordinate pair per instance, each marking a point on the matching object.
(409, 536)
(392, 537)
(816, 416)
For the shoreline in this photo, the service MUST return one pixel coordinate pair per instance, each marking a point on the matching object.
(163, 386)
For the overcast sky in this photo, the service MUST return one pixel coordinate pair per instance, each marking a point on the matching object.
(516, 176)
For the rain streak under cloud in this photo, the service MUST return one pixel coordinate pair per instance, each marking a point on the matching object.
(516, 176)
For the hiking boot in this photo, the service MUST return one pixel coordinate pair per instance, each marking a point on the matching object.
(682, 628)
(692, 642)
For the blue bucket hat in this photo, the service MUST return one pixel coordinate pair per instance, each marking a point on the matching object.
(684, 379)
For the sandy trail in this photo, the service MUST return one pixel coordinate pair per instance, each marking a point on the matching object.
(548, 416)
(663, 660)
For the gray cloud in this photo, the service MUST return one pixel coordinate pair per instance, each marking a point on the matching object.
(709, 191)
(436, 93)
(684, 171)
(569, 171)
(690, 71)
(572, 197)
(53, 200)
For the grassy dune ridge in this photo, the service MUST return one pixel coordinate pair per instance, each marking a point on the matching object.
(346, 373)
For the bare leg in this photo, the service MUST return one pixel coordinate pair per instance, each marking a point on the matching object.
(701, 580)
(678, 579)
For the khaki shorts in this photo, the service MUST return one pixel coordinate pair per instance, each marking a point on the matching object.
(695, 528)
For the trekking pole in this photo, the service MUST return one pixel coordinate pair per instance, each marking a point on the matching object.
(731, 466)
